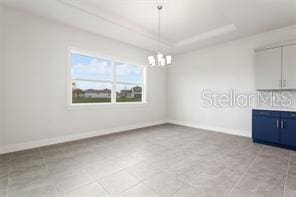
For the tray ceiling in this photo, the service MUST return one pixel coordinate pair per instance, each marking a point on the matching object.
(185, 25)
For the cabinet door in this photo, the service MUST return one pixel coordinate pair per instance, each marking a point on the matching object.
(268, 69)
(288, 132)
(266, 129)
(289, 67)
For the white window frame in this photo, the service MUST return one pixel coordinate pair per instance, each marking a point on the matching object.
(113, 81)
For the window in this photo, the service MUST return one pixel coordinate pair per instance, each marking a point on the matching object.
(97, 80)
(129, 82)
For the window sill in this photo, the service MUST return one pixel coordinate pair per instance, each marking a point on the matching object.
(105, 105)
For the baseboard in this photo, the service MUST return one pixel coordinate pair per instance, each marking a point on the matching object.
(211, 128)
(51, 141)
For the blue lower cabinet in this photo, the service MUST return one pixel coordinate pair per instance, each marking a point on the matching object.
(266, 129)
(288, 132)
(274, 128)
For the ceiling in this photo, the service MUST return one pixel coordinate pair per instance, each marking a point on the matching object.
(185, 24)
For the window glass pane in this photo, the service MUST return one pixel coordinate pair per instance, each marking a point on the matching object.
(128, 73)
(87, 67)
(128, 93)
(91, 92)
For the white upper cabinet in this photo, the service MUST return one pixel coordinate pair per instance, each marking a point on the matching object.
(289, 67)
(268, 69)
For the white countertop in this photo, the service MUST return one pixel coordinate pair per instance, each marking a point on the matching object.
(275, 109)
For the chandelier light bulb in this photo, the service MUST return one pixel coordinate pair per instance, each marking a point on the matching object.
(159, 56)
(169, 59)
(152, 61)
(162, 62)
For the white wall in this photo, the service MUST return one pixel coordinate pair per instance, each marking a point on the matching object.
(36, 84)
(218, 68)
(1, 82)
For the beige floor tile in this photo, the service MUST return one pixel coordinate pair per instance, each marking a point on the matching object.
(91, 190)
(289, 193)
(290, 186)
(101, 169)
(3, 193)
(163, 183)
(69, 181)
(143, 170)
(189, 191)
(28, 171)
(19, 185)
(3, 184)
(140, 190)
(160, 161)
(63, 165)
(117, 183)
(40, 191)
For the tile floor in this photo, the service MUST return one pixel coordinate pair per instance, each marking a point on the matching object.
(159, 161)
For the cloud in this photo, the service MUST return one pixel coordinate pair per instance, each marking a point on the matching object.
(126, 69)
(94, 67)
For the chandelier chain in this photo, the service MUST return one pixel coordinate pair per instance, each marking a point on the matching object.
(159, 8)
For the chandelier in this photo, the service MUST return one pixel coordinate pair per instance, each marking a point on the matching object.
(159, 59)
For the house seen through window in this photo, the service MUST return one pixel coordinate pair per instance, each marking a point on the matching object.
(98, 80)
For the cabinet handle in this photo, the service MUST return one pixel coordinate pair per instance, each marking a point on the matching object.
(293, 115)
(282, 124)
(280, 83)
(277, 124)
